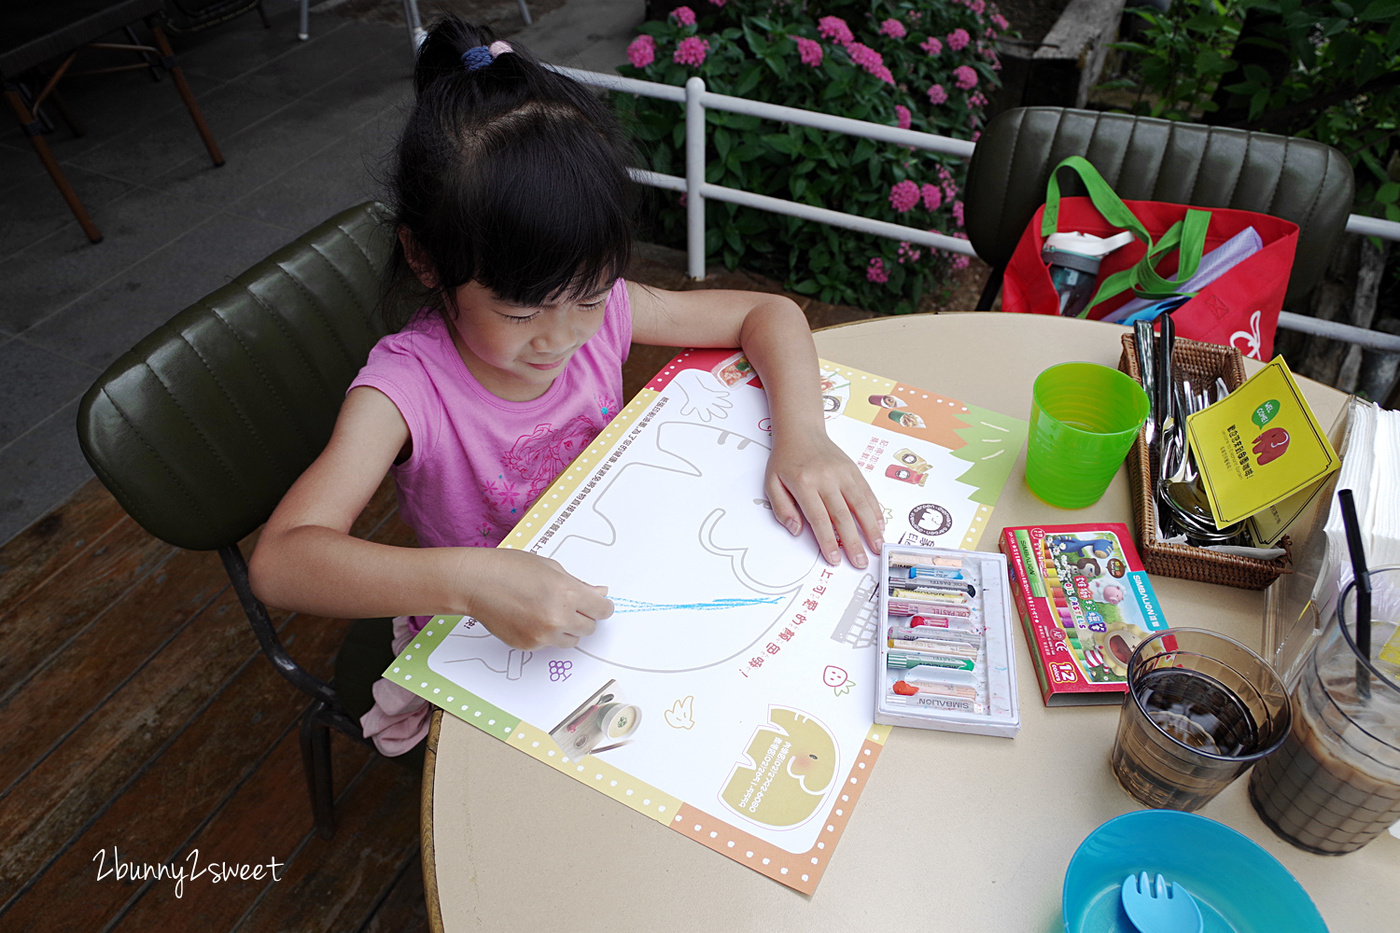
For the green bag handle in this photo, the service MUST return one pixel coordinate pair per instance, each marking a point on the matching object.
(1187, 235)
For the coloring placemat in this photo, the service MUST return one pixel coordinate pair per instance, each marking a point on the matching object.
(731, 694)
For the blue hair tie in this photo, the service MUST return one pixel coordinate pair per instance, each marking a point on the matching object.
(478, 57)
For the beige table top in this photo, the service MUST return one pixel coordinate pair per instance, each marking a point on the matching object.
(953, 832)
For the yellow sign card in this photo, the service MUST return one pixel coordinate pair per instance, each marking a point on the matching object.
(1259, 446)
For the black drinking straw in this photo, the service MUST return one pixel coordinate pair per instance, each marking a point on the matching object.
(1362, 584)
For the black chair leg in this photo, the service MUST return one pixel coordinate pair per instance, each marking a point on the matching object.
(316, 762)
(989, 291)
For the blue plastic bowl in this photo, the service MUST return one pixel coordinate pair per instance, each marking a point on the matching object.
(1239, 887)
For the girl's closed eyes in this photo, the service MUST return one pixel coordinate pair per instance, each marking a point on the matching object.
(592, 304)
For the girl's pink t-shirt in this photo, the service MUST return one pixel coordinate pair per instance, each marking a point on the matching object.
(478, 461)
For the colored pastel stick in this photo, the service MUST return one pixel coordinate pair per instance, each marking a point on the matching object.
(898, 663)
(915, 607)
(927, 683)
(906, 559)
(940, 573)
(933, 585)
(936, 598)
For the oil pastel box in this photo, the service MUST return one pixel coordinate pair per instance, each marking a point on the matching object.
(945, 659)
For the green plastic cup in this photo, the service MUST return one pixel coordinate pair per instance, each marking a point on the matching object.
(1084, 417)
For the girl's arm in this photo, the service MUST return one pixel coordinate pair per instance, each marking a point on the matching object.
(307, 560)
(807, 475)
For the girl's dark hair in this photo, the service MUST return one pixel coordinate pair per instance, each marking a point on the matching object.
(509, 175)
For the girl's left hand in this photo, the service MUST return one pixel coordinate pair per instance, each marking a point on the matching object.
(812, 477)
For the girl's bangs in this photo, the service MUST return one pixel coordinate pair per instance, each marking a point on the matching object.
(557, 220)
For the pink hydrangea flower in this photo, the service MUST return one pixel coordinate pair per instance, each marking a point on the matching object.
(961, 261)
(932, 196)
(907, 251)
(958, 39)
(864, 55)
(642, 51)
(875, 272)
(978, 6)
(810, 52)
(958, 213)
(683, 15)
(977, 101)
(965, 77)
(904, 195)
(835, 29)
(902, 114)
(931, 46)
(718, 2)
(936, 95)
(870, 60)
(892, 28)
(691, 51)
(999, 21)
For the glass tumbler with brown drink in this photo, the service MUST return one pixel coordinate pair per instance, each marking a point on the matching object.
(1200, 709)
(1334, 785)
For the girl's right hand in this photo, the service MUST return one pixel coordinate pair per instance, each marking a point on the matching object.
(531, 602)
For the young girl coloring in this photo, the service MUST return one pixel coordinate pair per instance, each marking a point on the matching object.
(512, 205)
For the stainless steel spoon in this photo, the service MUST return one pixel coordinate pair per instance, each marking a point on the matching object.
(1144, 338)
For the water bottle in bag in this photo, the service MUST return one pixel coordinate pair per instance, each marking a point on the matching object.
(1073, 260)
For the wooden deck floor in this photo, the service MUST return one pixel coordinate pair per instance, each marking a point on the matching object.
(142, 725)
(141, 729)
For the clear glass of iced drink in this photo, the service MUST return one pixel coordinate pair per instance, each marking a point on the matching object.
(1200, 709)
(1334, 785)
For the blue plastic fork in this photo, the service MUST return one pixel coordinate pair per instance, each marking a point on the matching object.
(1160, 908)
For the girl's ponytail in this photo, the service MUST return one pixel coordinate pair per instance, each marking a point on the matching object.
(453, 49)
(440, 55)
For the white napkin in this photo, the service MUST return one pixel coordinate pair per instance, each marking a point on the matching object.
(1359, 474)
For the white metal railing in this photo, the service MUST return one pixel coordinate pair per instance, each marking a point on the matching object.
(696, 100)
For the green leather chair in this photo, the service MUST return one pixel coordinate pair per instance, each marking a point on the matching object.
(200, 428)
(1147, 159)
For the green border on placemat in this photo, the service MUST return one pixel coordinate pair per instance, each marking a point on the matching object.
(411, 671)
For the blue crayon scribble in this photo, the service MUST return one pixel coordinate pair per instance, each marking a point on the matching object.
(635, 605)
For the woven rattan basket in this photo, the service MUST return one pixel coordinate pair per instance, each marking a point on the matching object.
(1201, 363)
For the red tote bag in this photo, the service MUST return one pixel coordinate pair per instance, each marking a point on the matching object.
(1239, 309)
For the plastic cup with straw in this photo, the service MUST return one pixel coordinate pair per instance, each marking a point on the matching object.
(1334, 784)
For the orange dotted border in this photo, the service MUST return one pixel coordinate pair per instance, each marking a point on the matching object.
(798, 870)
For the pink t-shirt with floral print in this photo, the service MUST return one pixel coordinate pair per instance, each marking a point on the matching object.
(478, 461)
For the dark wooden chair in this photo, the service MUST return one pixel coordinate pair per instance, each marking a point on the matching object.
(199, 430)
(37, 33)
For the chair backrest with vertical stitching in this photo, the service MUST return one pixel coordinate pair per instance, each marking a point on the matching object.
(201, 427)
(1147, 159)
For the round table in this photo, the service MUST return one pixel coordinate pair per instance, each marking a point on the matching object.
(952, 832)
